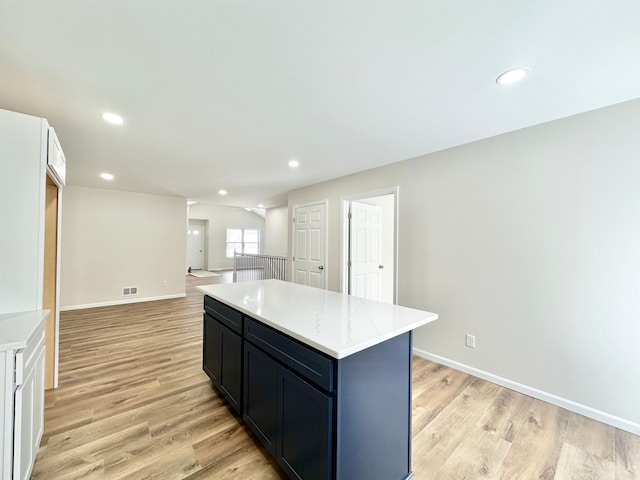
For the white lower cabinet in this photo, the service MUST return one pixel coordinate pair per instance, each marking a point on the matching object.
(29, 418)
(7, 372)
(22, 405)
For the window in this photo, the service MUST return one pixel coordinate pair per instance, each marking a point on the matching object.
(243, 240)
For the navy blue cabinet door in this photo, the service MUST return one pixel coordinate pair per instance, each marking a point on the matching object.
(222, 360)
(260, 395)
(211, 348)
(305, 428)
(231, 367)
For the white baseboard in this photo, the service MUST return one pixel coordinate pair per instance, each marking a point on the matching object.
(121, 302)
(570, 405)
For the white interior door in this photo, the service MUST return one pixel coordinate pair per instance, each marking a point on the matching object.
(195, 245)
(366, 251)
(309, 246)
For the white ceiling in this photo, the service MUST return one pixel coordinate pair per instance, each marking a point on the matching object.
(222, 93)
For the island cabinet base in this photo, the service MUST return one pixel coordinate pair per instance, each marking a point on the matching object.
(292, 418)
(320, 417)
(373, 412)
(222, 351)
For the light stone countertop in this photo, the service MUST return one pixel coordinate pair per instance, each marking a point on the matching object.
(336, 324)
(16, 328)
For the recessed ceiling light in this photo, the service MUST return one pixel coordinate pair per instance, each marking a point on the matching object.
(512, 76)
(247, 209)
(293, 163)
(222, 192)
(106, 176)
(112, 118)
(260, 206)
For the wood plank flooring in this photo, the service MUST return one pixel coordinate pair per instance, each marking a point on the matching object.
(133, 403)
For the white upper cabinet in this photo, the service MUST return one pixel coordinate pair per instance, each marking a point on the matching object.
(56, 161)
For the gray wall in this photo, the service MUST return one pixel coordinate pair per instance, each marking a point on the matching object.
(530, 241)
(276, 231)
(113, 239)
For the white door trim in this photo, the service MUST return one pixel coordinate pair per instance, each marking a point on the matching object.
(344, 235)
(324, 202)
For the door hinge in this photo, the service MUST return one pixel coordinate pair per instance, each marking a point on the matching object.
(349, 215)
(294, 219)
(349, 263)
(293, 259)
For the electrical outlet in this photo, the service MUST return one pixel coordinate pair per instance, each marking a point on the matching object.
(470, 340)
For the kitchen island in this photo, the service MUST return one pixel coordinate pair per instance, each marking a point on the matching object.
(322, 379)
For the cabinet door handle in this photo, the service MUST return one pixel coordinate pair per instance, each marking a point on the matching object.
(321, 267)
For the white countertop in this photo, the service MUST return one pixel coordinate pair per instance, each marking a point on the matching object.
(336, 324)
(16, 328)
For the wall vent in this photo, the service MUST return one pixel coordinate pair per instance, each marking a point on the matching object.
(127, 291)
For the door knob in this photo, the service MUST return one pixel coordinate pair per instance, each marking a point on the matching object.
(320, 267)
(380, 267)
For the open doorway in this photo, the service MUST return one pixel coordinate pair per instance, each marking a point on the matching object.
(369, 240)
(197, 244)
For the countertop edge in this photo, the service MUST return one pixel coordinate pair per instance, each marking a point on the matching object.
(19, 327)
(429, 317)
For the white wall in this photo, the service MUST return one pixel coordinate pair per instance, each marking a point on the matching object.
(276, 231)
(113, 239)
(22, 203)
(530, 241)
(220, 218)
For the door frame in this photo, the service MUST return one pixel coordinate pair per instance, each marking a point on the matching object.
(345, 203)
(53, 336)
(294, 246)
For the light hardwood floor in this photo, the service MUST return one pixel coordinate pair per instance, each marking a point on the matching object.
(133, 403)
